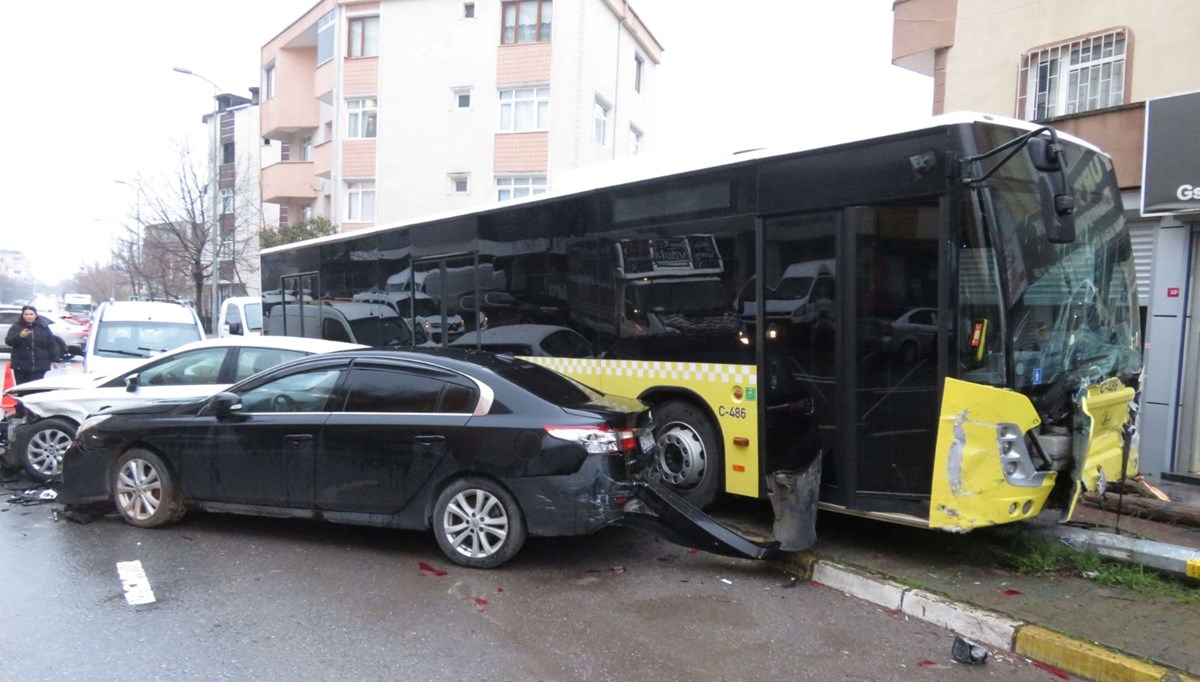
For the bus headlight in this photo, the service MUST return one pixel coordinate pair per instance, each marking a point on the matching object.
(1015, 461)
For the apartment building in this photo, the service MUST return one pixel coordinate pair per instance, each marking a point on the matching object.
(1089, 69)
(383, 110)
(237, 150)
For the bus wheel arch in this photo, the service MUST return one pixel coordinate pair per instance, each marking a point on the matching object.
(691, 459)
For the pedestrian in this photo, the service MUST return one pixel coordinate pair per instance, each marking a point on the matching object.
(33, 346)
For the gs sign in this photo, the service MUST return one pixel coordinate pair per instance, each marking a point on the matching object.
(1188, 193)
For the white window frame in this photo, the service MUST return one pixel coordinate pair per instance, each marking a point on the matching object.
(455, 101)
(226, 200)
(524, 109)
(638, 63)
(1082, 74)
(360, 110)
(360, 201)
(326, 24)
(269, 81)
(601, 112)
(306, 211)
(306, 148)
(635, 140)
(517, 186)
(456, 179)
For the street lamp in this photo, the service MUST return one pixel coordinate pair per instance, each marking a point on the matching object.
(216, 228)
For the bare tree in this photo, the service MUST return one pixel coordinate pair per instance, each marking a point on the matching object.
(168, 251)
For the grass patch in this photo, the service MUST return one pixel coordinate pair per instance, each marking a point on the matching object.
(1039, 556)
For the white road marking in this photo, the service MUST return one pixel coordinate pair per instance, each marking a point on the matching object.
(135, 583)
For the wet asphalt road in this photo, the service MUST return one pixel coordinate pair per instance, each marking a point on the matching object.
(243, 598)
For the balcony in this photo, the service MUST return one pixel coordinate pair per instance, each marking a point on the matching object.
(288, 180)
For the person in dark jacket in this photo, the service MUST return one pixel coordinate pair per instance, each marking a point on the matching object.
(34, 348)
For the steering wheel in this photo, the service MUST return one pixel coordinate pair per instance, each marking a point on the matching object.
(283, 403)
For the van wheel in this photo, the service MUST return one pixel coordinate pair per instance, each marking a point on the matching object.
(689, 459)
(43, 446)
(477, 523)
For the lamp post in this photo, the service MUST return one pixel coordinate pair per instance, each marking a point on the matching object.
(216, 215)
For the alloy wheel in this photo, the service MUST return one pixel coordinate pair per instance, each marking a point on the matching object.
(475, 523)
(139, 489)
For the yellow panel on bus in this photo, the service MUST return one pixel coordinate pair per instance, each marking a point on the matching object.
(729, 391)
(970, 488)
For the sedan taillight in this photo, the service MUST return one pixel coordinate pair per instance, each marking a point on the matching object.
(596, 440)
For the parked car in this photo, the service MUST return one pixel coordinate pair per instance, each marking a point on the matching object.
(126, 332)
(483, 449)
(541, 340)
(48, 418)
(71, 337)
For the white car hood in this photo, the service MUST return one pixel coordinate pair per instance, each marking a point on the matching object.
(59, 381)
(77, 404)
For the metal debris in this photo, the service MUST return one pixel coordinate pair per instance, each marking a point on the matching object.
(966, 651)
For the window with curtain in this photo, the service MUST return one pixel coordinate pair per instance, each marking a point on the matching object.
(325, 38)
(361, 116)
(524, 109)
(364, 37)
(360, 201)
(526, 21)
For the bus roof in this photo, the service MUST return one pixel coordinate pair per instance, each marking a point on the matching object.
(625, 171)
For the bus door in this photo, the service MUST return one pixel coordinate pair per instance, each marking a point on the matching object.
(799, 328)
(892, 372)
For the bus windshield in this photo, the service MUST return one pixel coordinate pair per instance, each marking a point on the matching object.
(1072, 310)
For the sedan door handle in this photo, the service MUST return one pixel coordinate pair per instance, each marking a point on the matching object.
(430, 439)
(296, 438)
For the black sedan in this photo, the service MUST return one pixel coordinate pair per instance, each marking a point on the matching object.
(483, 449)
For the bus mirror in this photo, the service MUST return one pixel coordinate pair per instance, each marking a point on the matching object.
(1058, 209)
(1044, 154)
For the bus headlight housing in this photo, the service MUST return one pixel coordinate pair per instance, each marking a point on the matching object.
(1015, 461)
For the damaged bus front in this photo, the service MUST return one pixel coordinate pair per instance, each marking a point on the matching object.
(1048, 347)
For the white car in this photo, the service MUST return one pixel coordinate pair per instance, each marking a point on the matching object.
(534, 340)
(49, 418)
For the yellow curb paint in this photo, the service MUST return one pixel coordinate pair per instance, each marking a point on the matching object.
(1087, 660)
(1193, 568)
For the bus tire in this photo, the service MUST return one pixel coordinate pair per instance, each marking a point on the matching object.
(689, 457)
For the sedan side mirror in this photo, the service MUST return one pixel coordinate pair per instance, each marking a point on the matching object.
(224, 404)
(131, 383)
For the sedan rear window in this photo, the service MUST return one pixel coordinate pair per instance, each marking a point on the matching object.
(548, 385)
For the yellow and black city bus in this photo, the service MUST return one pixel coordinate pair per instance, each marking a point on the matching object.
(940, 321)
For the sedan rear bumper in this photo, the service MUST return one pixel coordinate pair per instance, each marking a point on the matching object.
(579, 503)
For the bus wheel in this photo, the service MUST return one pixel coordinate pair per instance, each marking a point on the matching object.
(688, 457)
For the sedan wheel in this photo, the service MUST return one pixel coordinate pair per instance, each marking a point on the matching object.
(144, 492)
(43, 451)
(478, 523)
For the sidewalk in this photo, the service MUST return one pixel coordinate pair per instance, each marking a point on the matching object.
(1054, 619)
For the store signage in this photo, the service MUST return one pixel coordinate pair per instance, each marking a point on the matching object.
(1171, 167)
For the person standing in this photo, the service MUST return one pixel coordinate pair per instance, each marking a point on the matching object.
(33, 346)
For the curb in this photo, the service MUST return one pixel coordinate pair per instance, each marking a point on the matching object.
(1068, 654)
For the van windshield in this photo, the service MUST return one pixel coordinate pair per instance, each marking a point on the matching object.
(119, 339)
(253, 316)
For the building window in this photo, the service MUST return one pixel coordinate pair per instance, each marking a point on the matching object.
(226, 200)
(306, 148)
(325, 38)
(227, 153)
(1076, 76)
(269, 81)
(364, 37)
(524, 109)
(360, 201)
(526, 21)
(635, 141)
(306, 212)
(460, 183)
(462, 98)
(468, 10)
(516, 187)
(600, 127)
(638, 62)
(226, 252)
(360, 117)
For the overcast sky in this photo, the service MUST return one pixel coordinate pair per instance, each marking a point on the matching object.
(99, 102)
